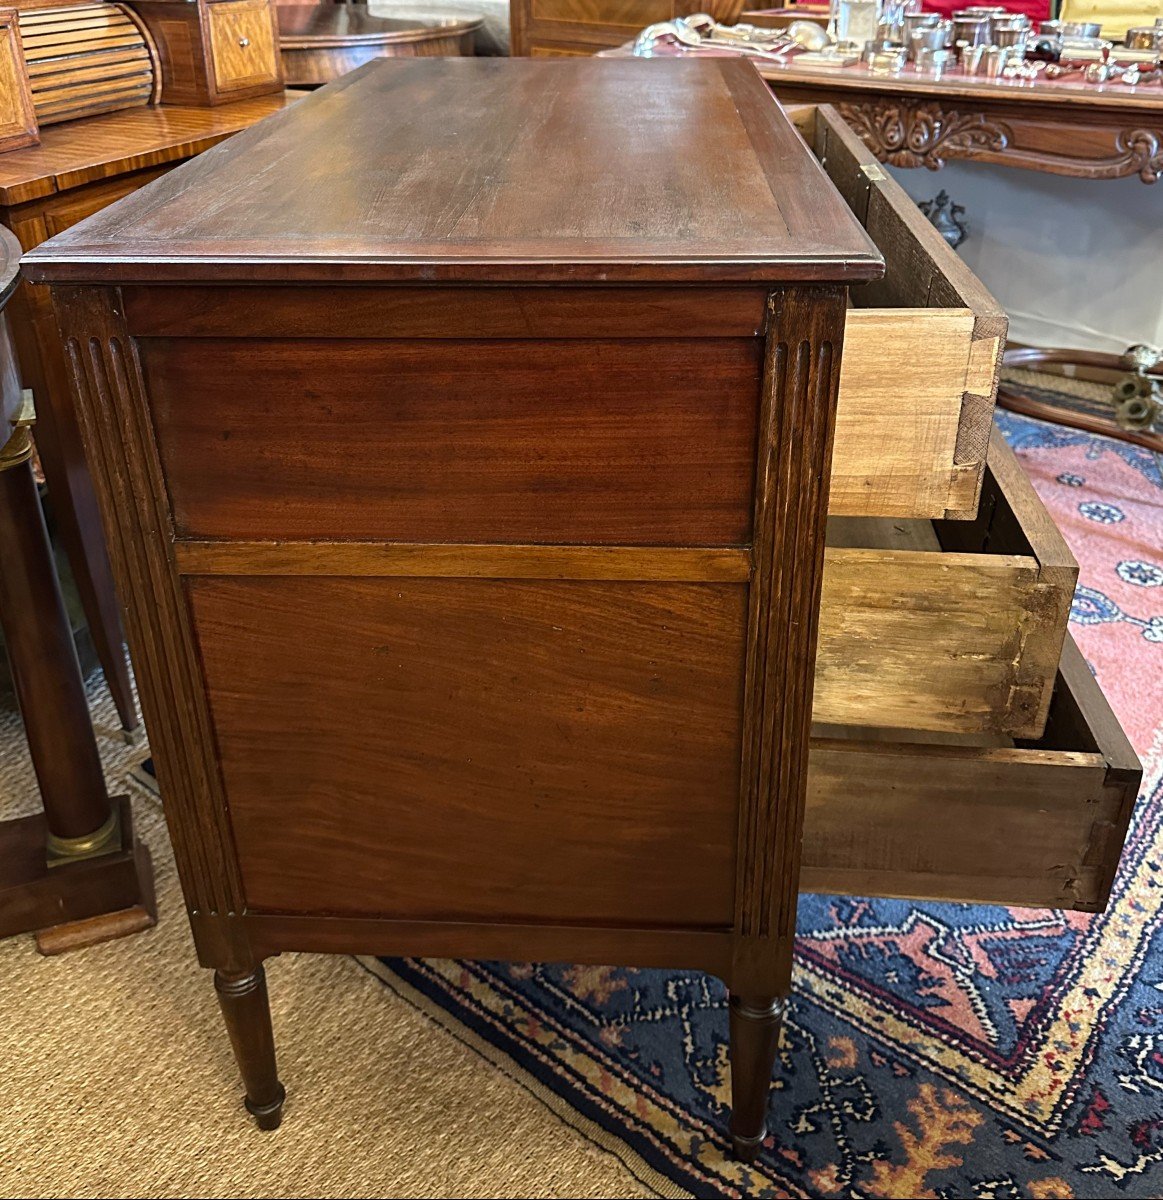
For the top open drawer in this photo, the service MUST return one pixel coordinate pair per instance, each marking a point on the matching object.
(922, 349)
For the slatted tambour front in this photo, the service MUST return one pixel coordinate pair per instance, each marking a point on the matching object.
(84, 60)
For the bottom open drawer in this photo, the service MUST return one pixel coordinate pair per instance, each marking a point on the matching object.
(1037, 824)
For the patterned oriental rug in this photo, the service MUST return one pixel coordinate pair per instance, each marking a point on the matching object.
(931, 1050)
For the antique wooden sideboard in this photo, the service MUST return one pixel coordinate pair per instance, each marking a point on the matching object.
(1067, 127)
(474, 548)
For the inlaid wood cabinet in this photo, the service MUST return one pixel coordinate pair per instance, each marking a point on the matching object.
(476, 538)
(18, 125)
(214, 51)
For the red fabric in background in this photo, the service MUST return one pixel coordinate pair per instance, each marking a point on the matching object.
(1036, 10)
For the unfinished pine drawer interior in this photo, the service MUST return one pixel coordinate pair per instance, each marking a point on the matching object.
(947, 626)
(922, 350)
(987, 820)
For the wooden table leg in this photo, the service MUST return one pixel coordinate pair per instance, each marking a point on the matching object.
(755, 1027)
(77, 861)
(247, 1013)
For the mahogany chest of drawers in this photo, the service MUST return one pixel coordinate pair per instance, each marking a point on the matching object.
(464, 436)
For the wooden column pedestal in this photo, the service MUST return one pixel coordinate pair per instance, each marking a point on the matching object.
(75, 904)
(74, 873)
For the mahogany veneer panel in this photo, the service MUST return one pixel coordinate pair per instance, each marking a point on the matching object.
(635, 441)
(484, 748)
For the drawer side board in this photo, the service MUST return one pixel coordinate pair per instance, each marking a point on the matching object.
(924, 280)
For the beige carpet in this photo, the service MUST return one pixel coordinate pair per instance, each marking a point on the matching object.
(116, 1078)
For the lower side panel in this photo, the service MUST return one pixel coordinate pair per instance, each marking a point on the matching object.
(479, 750)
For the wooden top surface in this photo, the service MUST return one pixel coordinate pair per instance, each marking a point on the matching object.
(309, 25)
(79, 152)
(492, 170)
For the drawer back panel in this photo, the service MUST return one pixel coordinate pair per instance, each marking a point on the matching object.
(605, 441)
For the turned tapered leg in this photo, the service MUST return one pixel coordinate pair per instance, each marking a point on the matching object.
(247, 1013)
(755, 1025)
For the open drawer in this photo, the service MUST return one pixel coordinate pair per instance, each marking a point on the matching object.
(947, 626)
(922, 350)
(1037, 824)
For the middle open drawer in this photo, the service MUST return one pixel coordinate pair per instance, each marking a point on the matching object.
(947, 626)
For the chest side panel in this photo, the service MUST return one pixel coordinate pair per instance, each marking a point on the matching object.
(591, 440)
(479, 748)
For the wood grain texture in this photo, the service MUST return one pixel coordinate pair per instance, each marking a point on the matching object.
(94, 931)
(308, 66)
(956, 638)
(18, 125)
(964, 638)
(243, 44)
(313, 25)
(1011, 514)
(801, 380)
(895, 446)
(114, 424)
(1036, 825)
(62, 182)
(687, 172)
(246, 1011)
(34, 896)
(617, 442)
(921, 271)
(321, 42)
(442, 560)
(675, 314)
(116, 144)
(214, 53)
(926, 640)
(65, 210)
(556, 767)
(575, 745)
(896, 443)
(700, 949)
